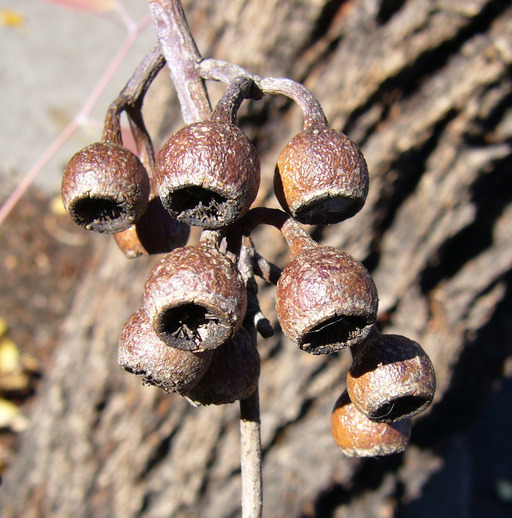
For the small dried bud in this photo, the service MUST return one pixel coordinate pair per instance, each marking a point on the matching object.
(156, 232)
(232, 375)
(105, 188)
(358, 436)
(321, 176)
(208, 174)
(195, 298)
(326, 300)
(391, 378)
(141, 352)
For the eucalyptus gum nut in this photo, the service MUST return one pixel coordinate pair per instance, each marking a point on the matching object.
(105, 188)
(358, 436)
(232, 375)
(208, 174)
(195, 298)
(326, 300)
(391, 378)
(321, 176)
(141, 352)
(156, 232)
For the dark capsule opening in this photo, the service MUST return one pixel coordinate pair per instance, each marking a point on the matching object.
(335, 333)
(327, 211)
(191, 327)
(99, 214)
(400, 408)
(200, 207)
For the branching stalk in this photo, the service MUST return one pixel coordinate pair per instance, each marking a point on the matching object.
(182, 56)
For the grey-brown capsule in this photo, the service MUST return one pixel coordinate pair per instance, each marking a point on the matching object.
(208, 174)
(326, 300)
(105, 188)
(391, 378)
(321, 176)
(195, 298)
(141, 352)
(156, 232)
(358, 436)
(233, 374)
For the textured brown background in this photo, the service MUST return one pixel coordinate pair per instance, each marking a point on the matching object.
(425, 89)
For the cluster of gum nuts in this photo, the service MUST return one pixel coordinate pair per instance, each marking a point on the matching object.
(195, 334)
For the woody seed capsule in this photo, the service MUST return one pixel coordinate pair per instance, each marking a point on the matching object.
(358, 436)
(391, 378)
(195, 298)
(321, 176)
(233, 373)
(208, 174)
(141, 352)
(105, 188)
(156, 232)
(325, 300)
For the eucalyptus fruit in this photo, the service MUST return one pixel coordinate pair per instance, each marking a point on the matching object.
(233, 373)
(105, 188)
(325, 299)
(156, 232)
(321, 176)
(391, 377)
(195, 333)
(141, 352)
(195, 298)
(358, 436)
(208, 173)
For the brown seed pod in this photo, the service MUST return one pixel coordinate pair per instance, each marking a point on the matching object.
(321, 176)
(391, 378)
(358, 436)
(195, 298)
(325, 300)
(208, 174)
(232, 375)
(141, 352)
(156, 232)
(105, 188)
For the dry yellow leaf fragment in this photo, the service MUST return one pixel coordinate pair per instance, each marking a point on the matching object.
(11, 18)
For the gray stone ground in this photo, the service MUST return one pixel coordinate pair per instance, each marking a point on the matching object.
(48, 67)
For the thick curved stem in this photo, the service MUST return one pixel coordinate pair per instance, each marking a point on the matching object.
(218, 70)
(181, 54)
(313, 112)
(242, 87)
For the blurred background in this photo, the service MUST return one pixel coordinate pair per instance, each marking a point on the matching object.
(53, 56)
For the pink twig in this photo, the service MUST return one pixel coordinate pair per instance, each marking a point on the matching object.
(133, 31)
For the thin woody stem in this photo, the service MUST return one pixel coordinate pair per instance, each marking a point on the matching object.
(112, 125)
(130, 99)
(250, 455)
(296, 237)
(247, 264)
(144, 143)
(240, 88)
(311, 109)
(265, 269)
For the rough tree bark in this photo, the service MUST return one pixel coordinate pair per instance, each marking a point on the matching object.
(425, 89)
